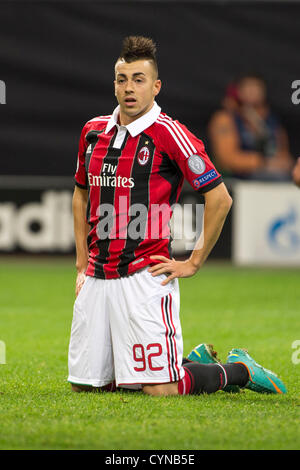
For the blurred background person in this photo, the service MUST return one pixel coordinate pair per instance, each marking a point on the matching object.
(247, 139)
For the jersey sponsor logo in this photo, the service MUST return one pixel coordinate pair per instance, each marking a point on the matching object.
(143, 156)
(109, 180)
(196, 164)
(201, 180)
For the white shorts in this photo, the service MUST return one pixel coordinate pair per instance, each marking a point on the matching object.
(127, 330)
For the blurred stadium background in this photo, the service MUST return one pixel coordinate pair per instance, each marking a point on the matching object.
(56, 72)
(57, 63)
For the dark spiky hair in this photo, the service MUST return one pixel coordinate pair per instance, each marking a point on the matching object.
(139, 48)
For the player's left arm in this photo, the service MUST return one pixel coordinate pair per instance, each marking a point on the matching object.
(217, 205)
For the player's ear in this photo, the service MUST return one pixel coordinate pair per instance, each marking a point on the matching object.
(157, 87)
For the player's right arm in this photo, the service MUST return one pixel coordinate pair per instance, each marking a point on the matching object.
(79, 206)
(81, 229)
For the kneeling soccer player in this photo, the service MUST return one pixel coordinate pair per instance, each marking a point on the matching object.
(126, 327)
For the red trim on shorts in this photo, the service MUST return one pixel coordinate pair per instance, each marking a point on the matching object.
(168, 349)
(173, 336)
(146, 383)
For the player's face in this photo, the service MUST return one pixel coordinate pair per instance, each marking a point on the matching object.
(136, 86)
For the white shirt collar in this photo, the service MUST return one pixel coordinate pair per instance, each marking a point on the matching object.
(137, 126)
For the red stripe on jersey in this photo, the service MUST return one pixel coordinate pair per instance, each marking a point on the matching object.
(185, 137)
(178, 139)
(179, 132)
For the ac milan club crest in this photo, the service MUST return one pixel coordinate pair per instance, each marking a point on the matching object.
(143, 156)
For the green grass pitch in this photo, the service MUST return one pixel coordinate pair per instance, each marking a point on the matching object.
(230, 307)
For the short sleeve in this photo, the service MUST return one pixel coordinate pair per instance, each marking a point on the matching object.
(189, 154)
(80, 174)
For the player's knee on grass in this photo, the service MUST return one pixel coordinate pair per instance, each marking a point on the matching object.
(111, 387)
(81, 388)
(161, 389)
(86, 388)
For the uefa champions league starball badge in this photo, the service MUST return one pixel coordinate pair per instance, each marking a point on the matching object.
(196, 164)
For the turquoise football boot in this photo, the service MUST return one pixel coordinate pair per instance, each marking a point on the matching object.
(261, 380)
(204, 354)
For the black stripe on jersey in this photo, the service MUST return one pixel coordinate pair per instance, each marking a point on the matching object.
(92, 138)
(107, 196)
(139, 194)
(170, 171)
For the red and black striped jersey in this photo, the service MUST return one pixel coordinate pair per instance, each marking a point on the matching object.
(134, 175)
